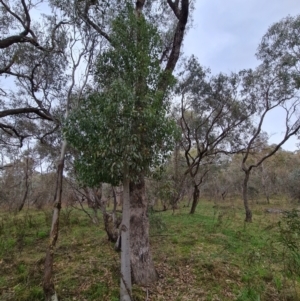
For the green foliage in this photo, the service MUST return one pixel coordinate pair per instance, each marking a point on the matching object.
(23, 293)
(6, 245)
(279, 49)
(125, 120)
(289, 233)
(135, 55)
(249, 294)
(156, 222)
(97, 291)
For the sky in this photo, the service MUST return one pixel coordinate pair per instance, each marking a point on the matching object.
(225, 36)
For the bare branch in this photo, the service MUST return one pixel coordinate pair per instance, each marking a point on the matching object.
(18, 111)
(179, 33)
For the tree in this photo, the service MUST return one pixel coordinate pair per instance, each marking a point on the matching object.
(17, 179)
(31, 63)
(73, 92)
(122, 130)
(274, 84)
(214, 119)
(36, 60)
(170, 184)
(171, 17)
(19, 16)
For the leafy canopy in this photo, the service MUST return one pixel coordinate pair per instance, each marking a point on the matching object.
(124, 124)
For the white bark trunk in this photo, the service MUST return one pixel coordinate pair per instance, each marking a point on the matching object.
(54, 297)
(48, 284)
(125, 290)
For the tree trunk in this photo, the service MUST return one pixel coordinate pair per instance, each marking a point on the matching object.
(248, 212)
(196, 195)
(26, 188)
(48, 284)
(111, 226)
(268, 198)
(142, 265)
(97, 194)
(125, 290)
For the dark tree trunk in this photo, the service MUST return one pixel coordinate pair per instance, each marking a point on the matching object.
(111, 225)
(248, 212)
(18, 111)
(112, 222)
(223, 194)
(268, 198)
(196, 195)
(26, 187)
(142, 266)
(98, 203)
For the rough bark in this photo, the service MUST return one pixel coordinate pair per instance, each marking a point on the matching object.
(182, 16)
(248, 211)
(126, 285)
(112, 222)
(94, 200)
(48, 284)
(143, 270)
(26, 187)
(196, 195)
(5, 43)
(111, 225)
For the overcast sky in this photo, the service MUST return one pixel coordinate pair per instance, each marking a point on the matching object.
(226, 34)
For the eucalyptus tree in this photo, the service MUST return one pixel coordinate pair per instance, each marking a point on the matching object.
(16, 179)
(215, 118)
(273, 85)
(171, 184)
(42, 57)
(31, 64)
(121, 130)
(171, 19)
(79, 62)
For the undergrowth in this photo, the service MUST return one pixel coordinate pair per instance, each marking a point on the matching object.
(211, 255)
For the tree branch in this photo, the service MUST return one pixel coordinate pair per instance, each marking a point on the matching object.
(174, 7)
(18, 111)
(179, 32)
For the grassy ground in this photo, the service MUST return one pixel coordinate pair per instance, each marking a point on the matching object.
(212, 255)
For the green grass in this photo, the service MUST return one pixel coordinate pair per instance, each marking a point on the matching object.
(211, 255)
